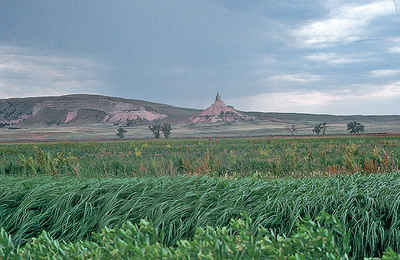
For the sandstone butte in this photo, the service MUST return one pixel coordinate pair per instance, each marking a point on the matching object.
(220, 112)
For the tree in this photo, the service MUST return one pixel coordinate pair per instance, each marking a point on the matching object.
(355, 127)
(324, 127)
(166, 129)
(316, 130)
(155, 128)
(121, 132)
(292, 129)
(320, 127)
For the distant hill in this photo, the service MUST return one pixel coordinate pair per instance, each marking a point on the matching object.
(85, 109)
(312, 118)
(77, 110)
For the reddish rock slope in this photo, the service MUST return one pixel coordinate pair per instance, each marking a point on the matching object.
(220, 112)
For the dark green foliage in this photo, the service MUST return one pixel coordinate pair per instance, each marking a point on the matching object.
(71, 209)
(320, 127)
(355, 127)
(121, 132)
(324, 128)
(239, 240)
(292, 129)
(166, 129)
(155, 128)
(317, 129)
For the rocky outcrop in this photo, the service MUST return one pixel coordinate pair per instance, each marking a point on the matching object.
(71, 116)
(85, 109)
(75, 110)
(122, 117)
(220, 112)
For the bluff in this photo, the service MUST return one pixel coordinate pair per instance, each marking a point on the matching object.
(220, 112)
(85, 109)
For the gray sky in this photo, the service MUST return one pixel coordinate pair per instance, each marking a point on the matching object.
(331, 56)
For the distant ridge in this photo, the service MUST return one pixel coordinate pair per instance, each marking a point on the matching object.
(84, 109)
(81, 109)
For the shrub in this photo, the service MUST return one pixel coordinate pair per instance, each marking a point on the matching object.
(155, 128)
(166, 129)
(239, 240)
(121, 132)
(355, 127)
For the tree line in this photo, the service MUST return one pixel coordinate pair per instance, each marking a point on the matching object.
(156, 128)
(353, 127)
(165, 128)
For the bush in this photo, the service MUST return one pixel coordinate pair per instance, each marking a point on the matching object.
(155, 129)
(166, 129)
(121, 132)
(355, 127)
(239, 240)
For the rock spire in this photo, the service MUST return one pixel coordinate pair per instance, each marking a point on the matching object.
(219, 112)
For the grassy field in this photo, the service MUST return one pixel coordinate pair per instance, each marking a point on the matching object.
(224, 157)
(304, 125)
(198, 186)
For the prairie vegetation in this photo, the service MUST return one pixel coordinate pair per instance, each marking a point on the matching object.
(337, 197)
(71, 209)
(143, 241)
(246, 157)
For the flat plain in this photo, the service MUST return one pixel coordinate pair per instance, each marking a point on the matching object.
(182, 130)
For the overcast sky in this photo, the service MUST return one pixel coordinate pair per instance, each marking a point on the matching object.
(328, 56)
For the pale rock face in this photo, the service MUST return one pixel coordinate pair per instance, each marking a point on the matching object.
(124, 112)
(71, 116)
(124, 116)
(219, 112)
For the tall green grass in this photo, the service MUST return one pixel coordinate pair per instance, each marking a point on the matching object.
(241, 157)
(71, 208)
(239, 240)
